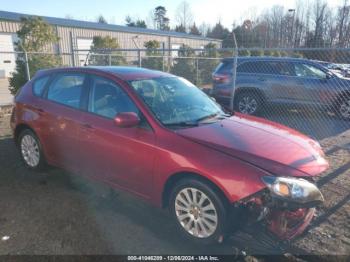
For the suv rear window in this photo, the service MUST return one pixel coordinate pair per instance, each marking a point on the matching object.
(224, 67)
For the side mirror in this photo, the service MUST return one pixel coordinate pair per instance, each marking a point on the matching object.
(127, 119)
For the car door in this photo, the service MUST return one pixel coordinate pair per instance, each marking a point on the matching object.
(312, 80)
(61, 118)
(121, 156)
(284, 87)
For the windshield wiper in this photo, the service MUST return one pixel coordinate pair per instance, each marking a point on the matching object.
(182, 124)
(218, 116)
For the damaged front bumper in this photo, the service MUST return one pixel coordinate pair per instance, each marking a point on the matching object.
(284, 214)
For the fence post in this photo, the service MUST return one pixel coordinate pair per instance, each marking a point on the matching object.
(197, 72)
(139, 57)
(27, 65)
(72, 48)
(109, 59)
(234, 70)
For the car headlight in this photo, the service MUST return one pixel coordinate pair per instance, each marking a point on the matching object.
(293, 189)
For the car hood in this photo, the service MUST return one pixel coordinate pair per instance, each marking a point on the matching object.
(268, 145)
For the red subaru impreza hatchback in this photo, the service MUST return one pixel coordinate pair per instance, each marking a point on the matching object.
(158, 136)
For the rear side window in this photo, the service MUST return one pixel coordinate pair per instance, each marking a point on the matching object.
(255, 67)
(281, 68)
(66, 89)
(39, 85)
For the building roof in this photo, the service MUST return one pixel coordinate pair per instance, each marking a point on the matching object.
(266, 58)
(12, 16)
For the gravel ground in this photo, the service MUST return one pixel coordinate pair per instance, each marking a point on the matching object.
(58, 213)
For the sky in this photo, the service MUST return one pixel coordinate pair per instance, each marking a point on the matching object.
(115, 11)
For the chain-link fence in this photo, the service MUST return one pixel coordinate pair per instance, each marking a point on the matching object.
(306, 89)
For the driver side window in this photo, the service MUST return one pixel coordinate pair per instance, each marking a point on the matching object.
(107, 99)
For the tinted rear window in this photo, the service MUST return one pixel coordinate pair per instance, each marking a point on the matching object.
(256, 67)
(224, 67)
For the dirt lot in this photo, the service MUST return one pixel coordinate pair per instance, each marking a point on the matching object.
(58, 213)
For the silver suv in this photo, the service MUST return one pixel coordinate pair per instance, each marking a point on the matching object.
(291, 82)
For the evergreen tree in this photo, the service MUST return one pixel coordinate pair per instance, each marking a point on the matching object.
(105, 46)
(35, 35)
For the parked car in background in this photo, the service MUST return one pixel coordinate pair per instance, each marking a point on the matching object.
(338, 69)
(291, 82)
(162, 139)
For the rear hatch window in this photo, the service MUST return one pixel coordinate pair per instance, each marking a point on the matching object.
(224, 67)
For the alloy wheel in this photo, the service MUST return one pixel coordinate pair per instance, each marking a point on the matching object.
(196, 212)
(30, 150)
(247, 105)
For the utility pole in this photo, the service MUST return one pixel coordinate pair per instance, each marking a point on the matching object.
(292, 34)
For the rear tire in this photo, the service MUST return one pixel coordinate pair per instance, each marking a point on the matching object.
(31, 150)
(343, 108)
(199, 212)
(248, 103)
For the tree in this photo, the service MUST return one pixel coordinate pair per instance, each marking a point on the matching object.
(218, 31)
(185, 67)
(160, 19)
(101, 20)
(194, 30)
(35, 35)
(258, 52)
(141, 23)
(206, 66)
(180, 28)
(138, 23)
(343, 24)
(183, 15)
(103, 51)
(129, 21)
(153, 62)
(243, 52)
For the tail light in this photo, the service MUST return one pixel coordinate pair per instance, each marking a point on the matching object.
(221, 79)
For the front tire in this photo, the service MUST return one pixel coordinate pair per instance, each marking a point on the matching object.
(198, 211)
(31, 151)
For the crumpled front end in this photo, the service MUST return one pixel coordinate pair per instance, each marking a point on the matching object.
(285, 217)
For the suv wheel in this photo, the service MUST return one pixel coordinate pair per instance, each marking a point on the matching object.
(248, 103)
(344, 108)
(30, 150)
(198, 211)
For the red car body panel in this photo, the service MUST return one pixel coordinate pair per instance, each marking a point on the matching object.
(275, 148)
(233, 153)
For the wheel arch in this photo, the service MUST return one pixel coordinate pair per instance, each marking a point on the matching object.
(175, 178)
(19, 129)
(250, 89)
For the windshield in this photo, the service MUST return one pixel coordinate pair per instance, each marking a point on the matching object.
(175, 101)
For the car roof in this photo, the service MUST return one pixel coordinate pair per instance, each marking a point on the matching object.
(125, 73)
(265, 58)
